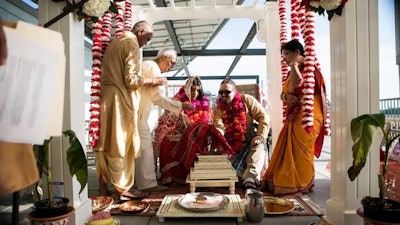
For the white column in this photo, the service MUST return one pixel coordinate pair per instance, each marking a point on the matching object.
(74, 110)
(355, 91)
(274, 73)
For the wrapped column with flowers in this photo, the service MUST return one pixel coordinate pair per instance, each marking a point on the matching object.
(302, 25)
(101, 33)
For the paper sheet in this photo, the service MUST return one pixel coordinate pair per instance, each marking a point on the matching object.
(32, 85)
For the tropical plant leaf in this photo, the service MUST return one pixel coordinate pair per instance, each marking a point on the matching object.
(42, 156)
(76, 159)
(363, 131)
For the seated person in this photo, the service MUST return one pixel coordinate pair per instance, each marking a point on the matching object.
(199, 138)
(170, 128)
(234, 116)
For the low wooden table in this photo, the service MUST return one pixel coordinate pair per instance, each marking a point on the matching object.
(170, 208)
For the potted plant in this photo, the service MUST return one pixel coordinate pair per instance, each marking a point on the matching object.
(363, 131)
(55, 206)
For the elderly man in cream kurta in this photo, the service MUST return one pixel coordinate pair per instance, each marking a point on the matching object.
(145, 169)
(119, 140)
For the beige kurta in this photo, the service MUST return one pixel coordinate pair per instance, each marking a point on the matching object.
(18, 167)
(119, 140)
(256, 159)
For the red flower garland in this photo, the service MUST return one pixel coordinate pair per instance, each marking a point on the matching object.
(304, 20)
(201, 107)
(283, 40)
(234, 119)
(101, 32)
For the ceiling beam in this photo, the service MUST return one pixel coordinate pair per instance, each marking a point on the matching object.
(213, 52)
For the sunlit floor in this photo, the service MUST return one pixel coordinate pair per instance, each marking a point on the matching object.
(319, 196)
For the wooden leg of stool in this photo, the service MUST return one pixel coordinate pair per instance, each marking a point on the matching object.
(232, 188)
(192, 187)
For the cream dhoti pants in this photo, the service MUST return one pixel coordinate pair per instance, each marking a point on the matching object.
(145, 171)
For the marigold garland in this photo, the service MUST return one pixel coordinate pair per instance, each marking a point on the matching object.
(201, 107)
(234, 119)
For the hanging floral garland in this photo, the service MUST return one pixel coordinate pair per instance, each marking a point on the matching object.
(303, 20)
(283, 39)
(101, 33)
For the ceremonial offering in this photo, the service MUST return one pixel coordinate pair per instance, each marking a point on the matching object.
(101, 202)
(275, 205)
(206, 201)
(134, 206)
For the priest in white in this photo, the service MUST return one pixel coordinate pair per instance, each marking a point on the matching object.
(145, 173)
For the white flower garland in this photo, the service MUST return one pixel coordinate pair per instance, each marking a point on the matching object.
(96, 8)
(330, 4)
(304, 20)
(283, 40)
(101, 33)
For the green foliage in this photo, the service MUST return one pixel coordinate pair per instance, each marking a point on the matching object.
(363, 130)
(76, 160)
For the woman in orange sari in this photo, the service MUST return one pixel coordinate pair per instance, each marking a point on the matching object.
(291, 169)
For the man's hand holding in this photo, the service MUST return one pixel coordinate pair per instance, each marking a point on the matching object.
(257, 140)
(187, 106)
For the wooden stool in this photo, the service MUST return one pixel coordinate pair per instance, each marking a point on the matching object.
(212, 171)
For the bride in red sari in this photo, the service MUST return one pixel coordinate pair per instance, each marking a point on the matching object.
(170, 128)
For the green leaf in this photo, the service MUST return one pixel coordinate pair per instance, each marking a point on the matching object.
(339, 10)
(330, 14)
(113, 8)
(94, 19)
(76, 159)
(363, 131)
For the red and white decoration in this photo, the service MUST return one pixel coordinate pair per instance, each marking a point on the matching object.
(101, 33)
(302, 23)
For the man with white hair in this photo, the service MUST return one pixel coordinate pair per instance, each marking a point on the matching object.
(145, 168)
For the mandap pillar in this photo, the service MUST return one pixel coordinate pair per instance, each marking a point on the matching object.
(74, 108)
(355, 91)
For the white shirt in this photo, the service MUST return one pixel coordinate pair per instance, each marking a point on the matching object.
(149, 96)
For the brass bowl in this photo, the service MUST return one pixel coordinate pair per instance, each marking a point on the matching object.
(134, 207)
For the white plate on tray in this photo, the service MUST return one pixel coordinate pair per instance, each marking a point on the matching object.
(203, 201)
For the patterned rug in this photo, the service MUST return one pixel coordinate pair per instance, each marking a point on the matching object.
(303, 205)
